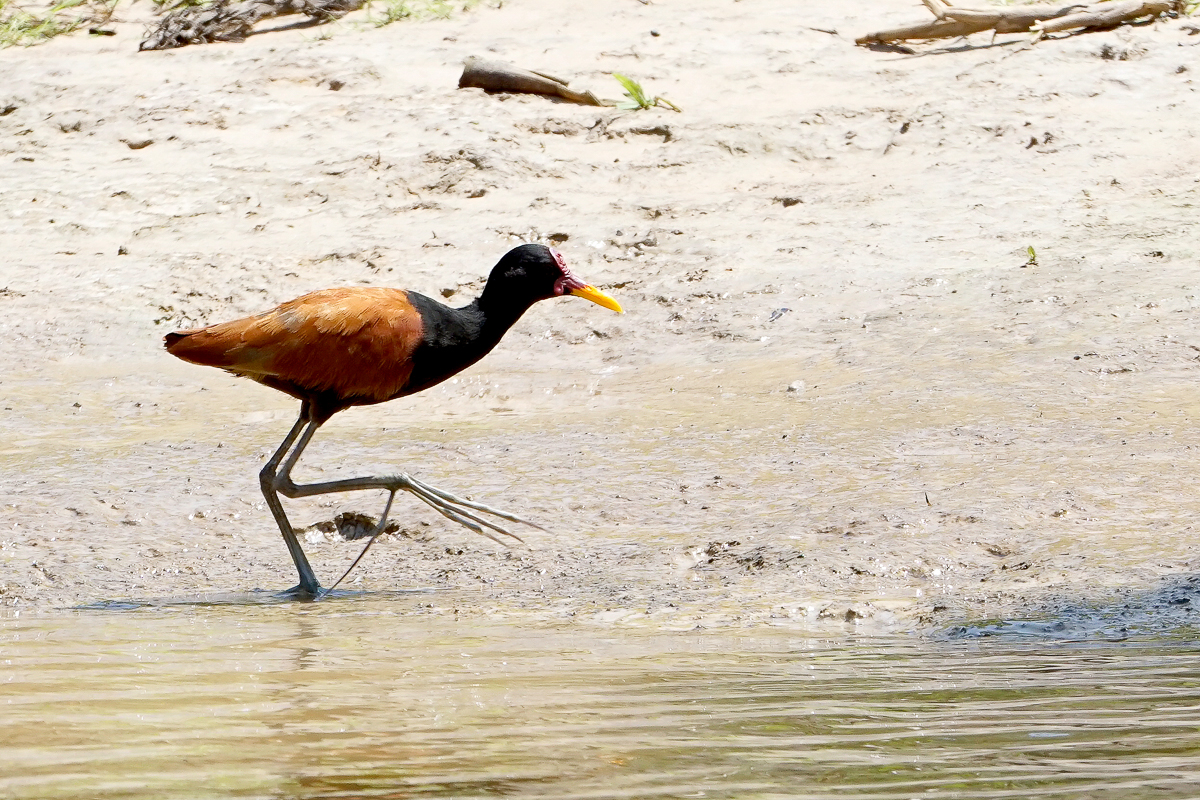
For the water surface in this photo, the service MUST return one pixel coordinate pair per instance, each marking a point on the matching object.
(383, 697)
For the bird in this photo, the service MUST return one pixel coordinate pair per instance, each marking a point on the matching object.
(334, 349)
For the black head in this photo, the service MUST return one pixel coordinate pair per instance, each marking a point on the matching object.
(534, 272)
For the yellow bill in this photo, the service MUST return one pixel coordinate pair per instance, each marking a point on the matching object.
(596, 296)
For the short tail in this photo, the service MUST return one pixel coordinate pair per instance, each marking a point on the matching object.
(198, 346)
(172, 341)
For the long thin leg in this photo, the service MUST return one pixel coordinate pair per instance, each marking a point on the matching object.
(309, 585)
(448, 505)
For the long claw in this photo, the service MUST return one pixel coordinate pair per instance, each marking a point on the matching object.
(451, 514)
(442, 505)
(489, 524)
(462, 501)
(461, 515)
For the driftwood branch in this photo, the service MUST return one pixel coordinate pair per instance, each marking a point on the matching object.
(224, 21)
(500, 76)
(951, 21)
(1108, 15)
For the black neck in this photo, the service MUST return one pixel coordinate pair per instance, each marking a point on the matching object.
(455, 338)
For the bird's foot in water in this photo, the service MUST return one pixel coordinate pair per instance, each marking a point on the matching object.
(302, 592)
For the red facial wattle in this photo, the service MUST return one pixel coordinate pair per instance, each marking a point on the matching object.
(569, 284)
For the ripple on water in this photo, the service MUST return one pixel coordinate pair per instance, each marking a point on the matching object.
(375, 698)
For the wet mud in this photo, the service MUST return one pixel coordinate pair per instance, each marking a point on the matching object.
(846, 395)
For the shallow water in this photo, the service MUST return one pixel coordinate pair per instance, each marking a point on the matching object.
(371, 696)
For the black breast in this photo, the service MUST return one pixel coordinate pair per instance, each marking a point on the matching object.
(454, 339)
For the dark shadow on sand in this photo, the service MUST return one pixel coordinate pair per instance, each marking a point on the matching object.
(1170, 611)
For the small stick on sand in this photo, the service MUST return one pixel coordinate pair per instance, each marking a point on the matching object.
(951, 21)
(500, 76)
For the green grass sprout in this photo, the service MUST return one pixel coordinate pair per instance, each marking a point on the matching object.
(21, 28)
(397, 10)
(637, 98)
